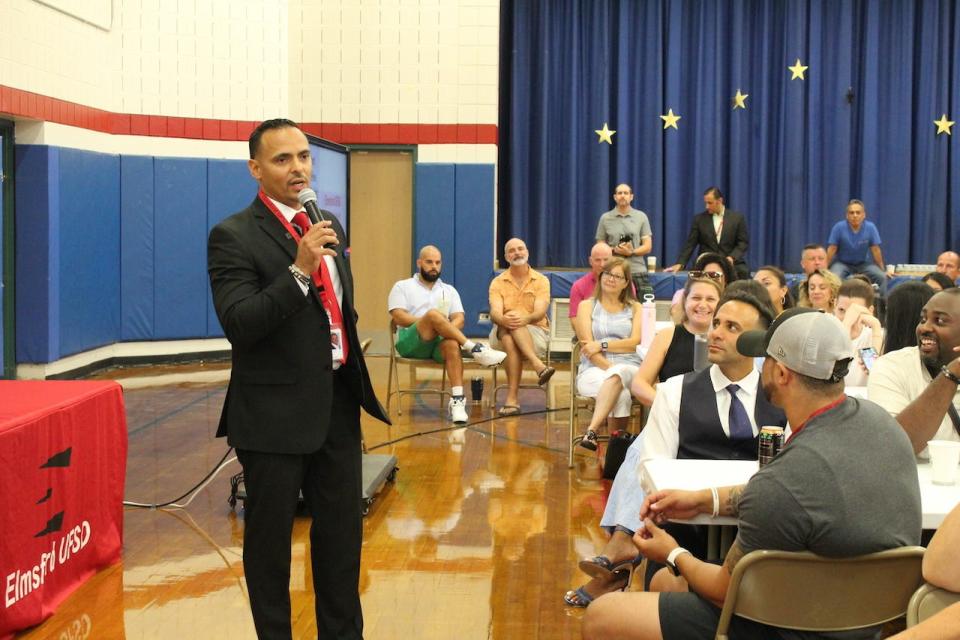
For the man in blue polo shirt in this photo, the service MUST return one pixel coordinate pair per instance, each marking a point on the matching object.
(854, 247)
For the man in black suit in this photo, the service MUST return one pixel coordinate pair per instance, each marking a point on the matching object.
(292, 410)
(719, 231)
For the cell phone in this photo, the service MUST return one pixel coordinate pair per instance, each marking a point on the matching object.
(626, 237)
(868, 355)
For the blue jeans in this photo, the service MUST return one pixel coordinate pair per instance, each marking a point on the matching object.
(869, 269)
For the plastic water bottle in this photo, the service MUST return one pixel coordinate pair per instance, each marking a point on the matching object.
(648, 321)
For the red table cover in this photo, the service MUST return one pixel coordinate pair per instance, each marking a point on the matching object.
(63, 453)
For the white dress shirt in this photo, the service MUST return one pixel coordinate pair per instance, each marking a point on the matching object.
(662, 433)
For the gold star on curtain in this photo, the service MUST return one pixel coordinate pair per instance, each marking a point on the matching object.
(797, 69)
(670, 120)
(943, 125)
(606, 134)
(740, 100)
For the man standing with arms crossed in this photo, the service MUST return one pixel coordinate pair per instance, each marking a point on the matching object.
(283, 292)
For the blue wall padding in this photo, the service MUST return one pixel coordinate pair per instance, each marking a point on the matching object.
(180, 250)
(89, 286)
(36, 200)
(433, 220)
(473, 238)
(231, 189)
(137, 286)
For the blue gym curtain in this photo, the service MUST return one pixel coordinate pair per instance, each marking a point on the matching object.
(859, 125)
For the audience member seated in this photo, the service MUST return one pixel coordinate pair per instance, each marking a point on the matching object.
(938, 281)
(948, 263)
(707, 265)
(775, 282)
(682, 425)
(583, 288)
(813, 257)
(941, 568)
(429, 317)
(819, 291)
(609, 332)
(814, 496)
(671, 352)
(904, 304)
(918, 385)
(854, 247)
(519, 298)
(854, 309)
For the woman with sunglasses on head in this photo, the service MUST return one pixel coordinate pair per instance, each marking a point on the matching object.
(609, 329)
(707, 265)
(775, 282)
(819, 291)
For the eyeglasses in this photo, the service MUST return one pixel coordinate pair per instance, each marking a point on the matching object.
(713, 275)
(615, 276)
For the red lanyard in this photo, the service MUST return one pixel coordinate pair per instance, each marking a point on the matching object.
(321, 277)
(813, 415)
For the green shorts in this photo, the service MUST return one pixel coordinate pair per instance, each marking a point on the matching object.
(410, 345)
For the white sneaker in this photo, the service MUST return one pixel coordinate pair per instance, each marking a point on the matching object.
(458, 410)
(486, 356)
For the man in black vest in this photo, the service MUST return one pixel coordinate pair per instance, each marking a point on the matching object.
(283, 292)
(684, 424)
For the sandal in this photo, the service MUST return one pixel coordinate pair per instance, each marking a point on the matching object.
(545, 374)
(580, 598)
(509, 410)
(589, 440)
(601, 566)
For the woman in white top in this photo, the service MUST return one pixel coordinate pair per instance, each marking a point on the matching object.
(854, 309)
(608, 327)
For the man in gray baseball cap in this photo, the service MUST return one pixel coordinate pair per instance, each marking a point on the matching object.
(844, 484)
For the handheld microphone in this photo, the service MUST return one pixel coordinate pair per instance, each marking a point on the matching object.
(308, 200)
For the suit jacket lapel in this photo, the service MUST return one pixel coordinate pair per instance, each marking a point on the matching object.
(272, 227)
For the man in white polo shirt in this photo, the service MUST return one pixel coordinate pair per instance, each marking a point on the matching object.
(429, 317)
(919, 385)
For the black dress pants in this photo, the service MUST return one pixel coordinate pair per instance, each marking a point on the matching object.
(331, 482)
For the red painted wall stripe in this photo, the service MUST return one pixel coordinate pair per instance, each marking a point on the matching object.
(25, 104)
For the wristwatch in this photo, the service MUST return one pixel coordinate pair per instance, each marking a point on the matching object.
(672, 560)
(603, 345)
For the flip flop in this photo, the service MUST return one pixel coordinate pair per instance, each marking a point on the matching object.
(544, 376)
(601, 566)
(509, 410)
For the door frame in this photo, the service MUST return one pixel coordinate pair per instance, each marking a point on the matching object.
(8, 238)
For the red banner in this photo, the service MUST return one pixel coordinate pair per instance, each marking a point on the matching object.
(63, 452)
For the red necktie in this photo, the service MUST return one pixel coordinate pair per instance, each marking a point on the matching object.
(321, 278)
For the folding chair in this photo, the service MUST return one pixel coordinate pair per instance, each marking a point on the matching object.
(393, 374)
(928, 601)
(807, 592)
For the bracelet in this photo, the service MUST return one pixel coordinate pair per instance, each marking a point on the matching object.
(716, 502)
(949, 375)
(301, 277)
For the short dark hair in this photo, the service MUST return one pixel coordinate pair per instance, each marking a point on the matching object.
(944, 282)
(715, 191)
(752, 293)
(267, 125)
(729, 273)
(812, 245)
(857, 288)
(824, 387)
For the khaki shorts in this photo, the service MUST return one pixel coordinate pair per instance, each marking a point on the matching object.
(540, 336)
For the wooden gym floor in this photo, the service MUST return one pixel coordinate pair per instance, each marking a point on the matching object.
(477, 538)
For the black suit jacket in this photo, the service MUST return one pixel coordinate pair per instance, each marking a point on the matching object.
(279, 396)
(733, 238)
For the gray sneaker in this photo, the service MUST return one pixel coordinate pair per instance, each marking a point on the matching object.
(486, 356)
